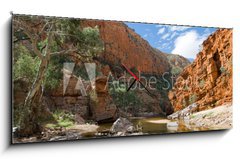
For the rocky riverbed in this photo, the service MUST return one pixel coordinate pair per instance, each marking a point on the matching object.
(182, 121)
(213, 119)
(216, 118)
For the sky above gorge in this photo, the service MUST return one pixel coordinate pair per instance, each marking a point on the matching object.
(182, 40)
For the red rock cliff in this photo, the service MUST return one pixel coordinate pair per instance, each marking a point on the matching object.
(122, 44)
(208, 80)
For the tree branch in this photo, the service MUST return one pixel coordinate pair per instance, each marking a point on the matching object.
(32, 38)
(64, 52)
(70, 52)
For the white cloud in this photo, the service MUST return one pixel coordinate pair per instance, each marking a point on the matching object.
(187, 44)
(160, 31)
(177, 28)
(165, 36)
(170, 31)
(173, 35)
(165, 44)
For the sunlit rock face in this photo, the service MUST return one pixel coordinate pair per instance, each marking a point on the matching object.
(208, 80)
(122, 44)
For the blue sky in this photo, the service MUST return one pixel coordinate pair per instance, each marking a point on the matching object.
(182, 40)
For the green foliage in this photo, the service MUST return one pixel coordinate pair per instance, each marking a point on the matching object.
(18, 50)
(186, 88)
(208, 115)
(25, 66)
(192, 98)
(88, 42)
(53, 76)
(134, 70)
(92, 42)
(193, 116)
(222, 69)
(80, 71)
(65, 32)
(62, 118)
(42, 44)
(87, 39)
(124, 99)
(202, 83)
(176, 70)
(54, 72)
(19, 35)
(131, 37)
(18, 114)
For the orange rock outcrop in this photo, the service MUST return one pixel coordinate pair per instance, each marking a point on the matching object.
(208, 80)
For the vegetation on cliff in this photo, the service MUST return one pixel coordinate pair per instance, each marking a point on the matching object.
(46, 39)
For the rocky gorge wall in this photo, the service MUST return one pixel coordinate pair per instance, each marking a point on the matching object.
(121, 45)
(96, 104)
(208, 80)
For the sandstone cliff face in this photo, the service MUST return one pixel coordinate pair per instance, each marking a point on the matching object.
(101, 104)
(96, 104)
(71, 100)
(208, 80)
(177, 63)
(122, 44)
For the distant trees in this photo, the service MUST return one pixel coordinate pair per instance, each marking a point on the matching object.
(39, 61)
(25, 67)
(123, 99)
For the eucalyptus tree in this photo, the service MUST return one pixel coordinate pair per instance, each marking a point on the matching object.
(50, 38)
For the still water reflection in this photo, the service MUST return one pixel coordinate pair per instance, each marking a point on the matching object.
(155, 125)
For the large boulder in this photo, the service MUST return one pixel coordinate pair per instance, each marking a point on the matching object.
(122, 126)
(181, 114)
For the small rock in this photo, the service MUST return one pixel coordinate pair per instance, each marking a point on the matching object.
(79, 119)
(172, 124)
(58, 138)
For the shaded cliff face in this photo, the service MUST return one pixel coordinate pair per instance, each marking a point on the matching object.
(208, 80)
(177, 63)
(122, 44)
